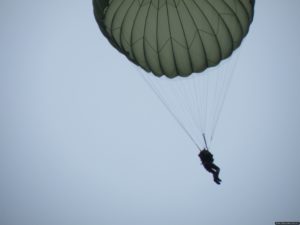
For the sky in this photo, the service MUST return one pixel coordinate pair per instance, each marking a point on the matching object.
(83, 140)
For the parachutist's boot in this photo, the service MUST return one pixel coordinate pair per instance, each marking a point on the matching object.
(217, 182)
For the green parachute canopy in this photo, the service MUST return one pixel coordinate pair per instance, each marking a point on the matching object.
(174, 37)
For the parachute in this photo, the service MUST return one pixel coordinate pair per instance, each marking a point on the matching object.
(186, 46)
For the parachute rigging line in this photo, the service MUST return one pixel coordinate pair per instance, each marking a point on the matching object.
(163, 101)
(205, 141)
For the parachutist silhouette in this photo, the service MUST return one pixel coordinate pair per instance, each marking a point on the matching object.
(207, 160)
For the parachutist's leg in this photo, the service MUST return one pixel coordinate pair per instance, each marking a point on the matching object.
(216, 168)
(216, 172)
(209, 168)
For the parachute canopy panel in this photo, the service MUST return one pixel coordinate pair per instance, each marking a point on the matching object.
(174, 37)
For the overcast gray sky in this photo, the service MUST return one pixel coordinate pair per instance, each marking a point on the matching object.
(83, 140)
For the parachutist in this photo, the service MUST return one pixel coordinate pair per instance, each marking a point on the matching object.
(207, 160)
